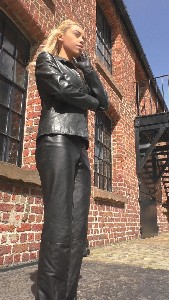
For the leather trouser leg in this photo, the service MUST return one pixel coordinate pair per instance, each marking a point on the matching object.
(64, 171)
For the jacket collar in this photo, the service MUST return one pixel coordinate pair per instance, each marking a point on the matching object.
(61, 58)
(64, 60)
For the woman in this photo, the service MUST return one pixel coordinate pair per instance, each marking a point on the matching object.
(68, 86)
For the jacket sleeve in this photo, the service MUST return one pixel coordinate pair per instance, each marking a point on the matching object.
(96, 88)
(53, 82)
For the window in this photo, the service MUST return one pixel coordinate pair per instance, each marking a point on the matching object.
(102, 155)
(14, 56)
(103, 39)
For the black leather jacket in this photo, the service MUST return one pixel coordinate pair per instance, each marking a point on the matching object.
(65, 96)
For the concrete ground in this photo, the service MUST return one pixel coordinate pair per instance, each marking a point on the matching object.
(133, 270)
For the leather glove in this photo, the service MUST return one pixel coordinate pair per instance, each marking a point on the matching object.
(96, 88)
(83, 62)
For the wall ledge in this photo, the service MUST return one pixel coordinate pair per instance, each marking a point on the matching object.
(111, 197)
(108, 77)
(13, 172)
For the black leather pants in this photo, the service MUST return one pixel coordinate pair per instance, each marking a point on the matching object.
(63, 165)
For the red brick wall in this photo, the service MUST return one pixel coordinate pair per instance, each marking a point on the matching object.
(20, 222)
(21, 207)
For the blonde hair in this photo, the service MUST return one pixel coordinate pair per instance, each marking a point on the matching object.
(51, 44)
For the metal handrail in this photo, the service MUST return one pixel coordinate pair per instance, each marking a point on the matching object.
(151, 95)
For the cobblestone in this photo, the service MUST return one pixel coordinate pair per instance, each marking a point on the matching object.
(133, 270)
(145, 253)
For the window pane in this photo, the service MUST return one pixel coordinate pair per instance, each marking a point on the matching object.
(15, 125)
(13, 152)
(109, 58)
(106, 55)
(100, 45)
(108, 125)
(1, 29)
(107, 140)
(19, 74)
(96, 165)
(96, 133)
(96, 179)
(104, 137)
(100, 22)
(101, 167)
(16, 100)
(9, 38)
(3, 120)
(97, 149)
(105, 169)
(105, 183)
(7, 65)
(99, 54)
(2, 146)
(109, 170)
(107, 35)
(104, 153)
(109, 185)
(101, 184)
(100, 135)
(4, 92)
(100, 151)
(21, 50)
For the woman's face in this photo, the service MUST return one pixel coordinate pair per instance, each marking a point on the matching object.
(73, 40)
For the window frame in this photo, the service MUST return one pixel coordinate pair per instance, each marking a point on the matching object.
(16, 82)
(101, 34)
(101, 128)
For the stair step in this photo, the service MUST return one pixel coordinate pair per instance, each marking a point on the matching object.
(162, 148)
(148, 174)
(148, 180)
(161, 159)
(148, 187)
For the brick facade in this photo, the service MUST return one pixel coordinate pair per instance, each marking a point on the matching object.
(114, 216)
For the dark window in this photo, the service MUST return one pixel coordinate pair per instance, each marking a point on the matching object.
(103, 39)
(102, 155)
(14, 56)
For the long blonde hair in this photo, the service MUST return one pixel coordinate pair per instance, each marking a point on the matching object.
(51, 43)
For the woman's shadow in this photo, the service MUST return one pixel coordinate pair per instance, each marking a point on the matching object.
(33, 277)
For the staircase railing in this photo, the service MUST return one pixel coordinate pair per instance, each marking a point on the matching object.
(152, 95)
(152, 150)
(163, 166)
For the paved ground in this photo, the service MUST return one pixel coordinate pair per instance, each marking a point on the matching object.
(134, 270)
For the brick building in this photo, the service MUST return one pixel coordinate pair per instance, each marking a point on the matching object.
(118, 57)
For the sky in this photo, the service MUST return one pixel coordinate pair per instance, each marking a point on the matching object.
(151, 21)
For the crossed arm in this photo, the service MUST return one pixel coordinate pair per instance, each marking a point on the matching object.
(53, 82)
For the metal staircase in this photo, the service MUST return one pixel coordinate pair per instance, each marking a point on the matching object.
(152, 152)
